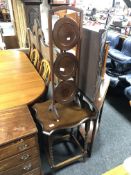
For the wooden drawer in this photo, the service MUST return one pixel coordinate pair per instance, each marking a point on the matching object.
(36, 171)
(18, 159)
(23, 168)
(17, 147)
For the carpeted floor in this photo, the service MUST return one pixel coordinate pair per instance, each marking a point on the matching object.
(112, 143)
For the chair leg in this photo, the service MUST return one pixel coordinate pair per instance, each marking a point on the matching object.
(100, 114)
(96, 125)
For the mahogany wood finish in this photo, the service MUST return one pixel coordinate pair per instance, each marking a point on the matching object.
(65, 35)
(71, 115)
(18, 159)
(19, 153)
(102, 92)
(19, 81)
(67, 108)
(22, 168)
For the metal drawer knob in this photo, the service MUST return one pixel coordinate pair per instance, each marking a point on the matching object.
(25, 157)
(27, 167)
(23, 147)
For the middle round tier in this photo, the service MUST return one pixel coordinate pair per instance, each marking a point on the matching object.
(65, 66)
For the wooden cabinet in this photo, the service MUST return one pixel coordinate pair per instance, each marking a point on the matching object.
(19, 152)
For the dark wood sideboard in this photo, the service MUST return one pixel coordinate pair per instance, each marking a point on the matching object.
(19, 151)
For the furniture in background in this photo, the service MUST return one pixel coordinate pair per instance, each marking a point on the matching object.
(39, 55)
(56, 3)
(126, 30)
(93, 79)
(113, 38)
(119, 67)
(43, 68)
(9, 36)
(95, 122)
(35, 58)
(127, 93)
(32, 10)
(36, 40)
(11, 42)
(45, 71)
(19, 150)
(17, 86)
(92, 61)
(120, 59)
(126, 79)
(20, 22)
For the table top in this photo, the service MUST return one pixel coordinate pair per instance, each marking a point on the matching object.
(13, 128)
(19, 81)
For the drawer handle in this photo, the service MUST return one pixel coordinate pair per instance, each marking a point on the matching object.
(23, 147)
(27, 167)
(25, 157)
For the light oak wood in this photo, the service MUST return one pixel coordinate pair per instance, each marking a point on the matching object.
(19, 81)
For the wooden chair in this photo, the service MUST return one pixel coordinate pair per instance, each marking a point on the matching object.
(35, 58)
(45, 71)
(36, 40)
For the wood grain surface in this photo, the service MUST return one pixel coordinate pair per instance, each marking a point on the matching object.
(19, 81)
(16, 123)
(100, 97)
